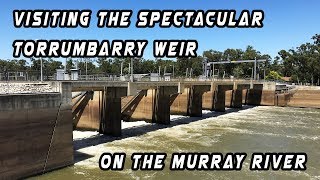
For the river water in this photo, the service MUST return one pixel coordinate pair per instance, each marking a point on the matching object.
(252, 129)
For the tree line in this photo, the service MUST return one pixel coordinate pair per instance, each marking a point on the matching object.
(302, 64)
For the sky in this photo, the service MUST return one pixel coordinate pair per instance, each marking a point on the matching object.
(287, 24)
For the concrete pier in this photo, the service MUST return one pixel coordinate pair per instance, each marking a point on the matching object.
(99, 110)
(152, 105)
(195, 100)
(162, 104)
(110, 122)
(189, 102)
(258, 96)
(224, 95)
(220, 97)
(237, 98)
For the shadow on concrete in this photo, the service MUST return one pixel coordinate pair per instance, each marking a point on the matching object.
(79, 156)
(78, 111)
(130, 107)
(143, 129)
(255, 95)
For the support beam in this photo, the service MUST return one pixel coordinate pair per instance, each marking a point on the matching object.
(236, 98)
(152, 105)
(161, 113)
(255, 95)
(111, 111)
(190, 101)
(132, 89)
(237, 94)
(220, 97)
(195, 100)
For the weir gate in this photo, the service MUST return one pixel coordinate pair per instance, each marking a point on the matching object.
(101, 106)
(36, 129)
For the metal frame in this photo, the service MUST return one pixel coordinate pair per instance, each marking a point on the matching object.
(255, 61)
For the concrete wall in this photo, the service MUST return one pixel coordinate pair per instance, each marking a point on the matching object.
(299, 98)
(26, 127)
(271, 86)
(87, 112)
(282, 99)
(259, 97)
(142, 107)
(228, 99)
(180, 103)
(304, 98)
(99, 110)
(208, 100)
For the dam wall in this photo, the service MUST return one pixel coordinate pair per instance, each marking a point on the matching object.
(300, 98)
(258, 97)
(156, 104)
(35, 134)
(36, 129)
(305, 99)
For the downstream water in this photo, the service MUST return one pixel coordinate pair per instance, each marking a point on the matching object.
(253, 129)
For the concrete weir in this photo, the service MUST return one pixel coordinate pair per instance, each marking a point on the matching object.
(99, 110)
(189, 101)
(153, 102)
(36, 129)
(35, 134)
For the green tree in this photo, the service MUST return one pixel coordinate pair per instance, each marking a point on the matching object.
(87, 66)
(273, 75)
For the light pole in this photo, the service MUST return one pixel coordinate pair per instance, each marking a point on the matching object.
(251, 73)
(121, 67)
(41, 69)
(213, 71)
(204, 67)
(86, 68)
(159, 73)
(187, 72)
(131, 70)
(255, 69)
(172, 70)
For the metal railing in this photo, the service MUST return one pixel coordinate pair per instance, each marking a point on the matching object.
(35, 76)
(25, 76)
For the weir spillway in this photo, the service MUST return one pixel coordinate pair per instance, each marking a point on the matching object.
(36, 129)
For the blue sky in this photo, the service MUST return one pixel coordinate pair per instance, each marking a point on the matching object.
(287, 24)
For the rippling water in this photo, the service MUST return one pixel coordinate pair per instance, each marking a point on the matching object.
(252, 129)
